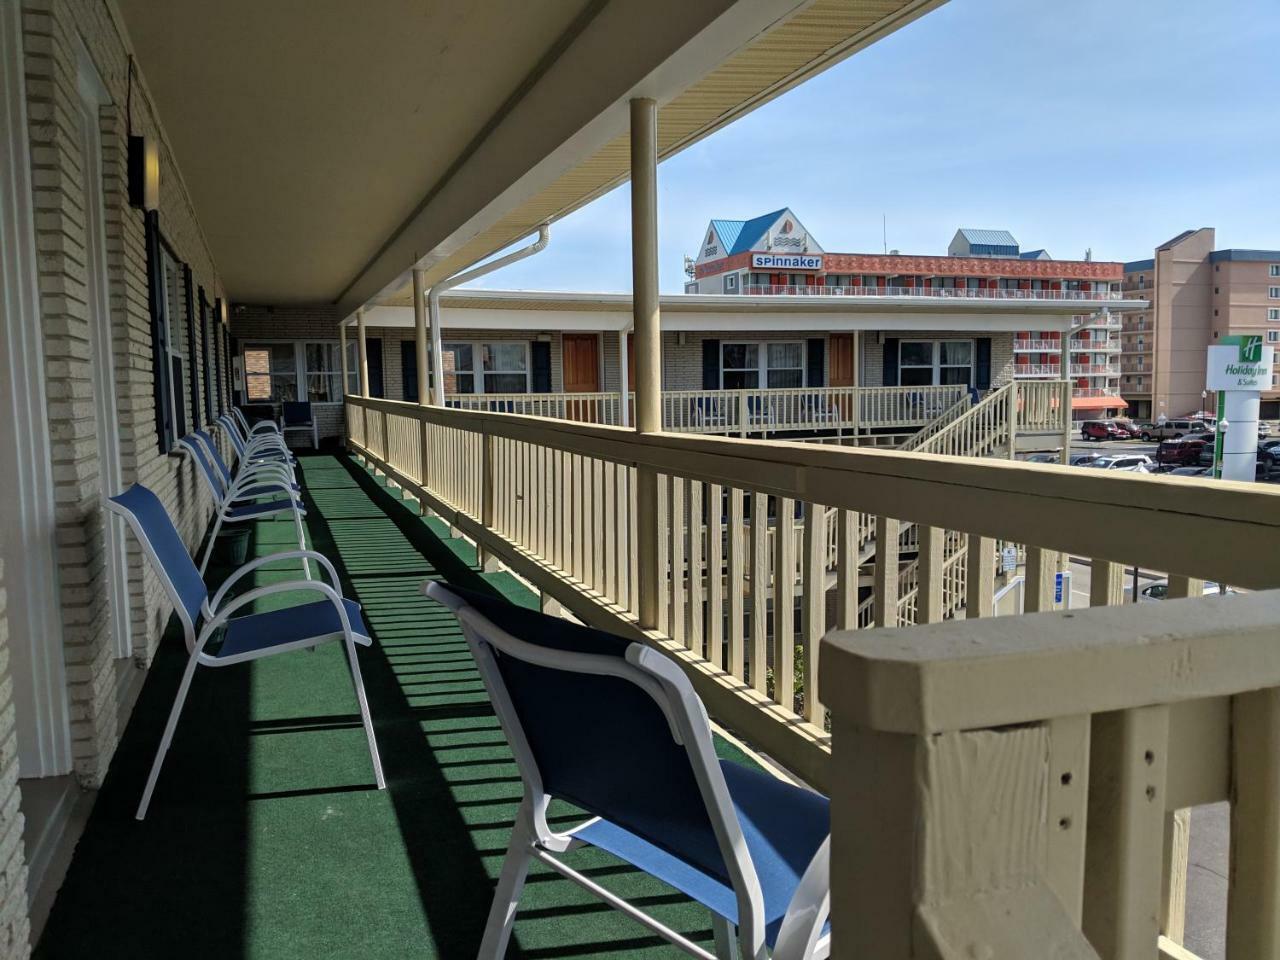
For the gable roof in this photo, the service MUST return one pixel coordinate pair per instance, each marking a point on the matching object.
(1041, 254)
(740, 235)
(995, 238)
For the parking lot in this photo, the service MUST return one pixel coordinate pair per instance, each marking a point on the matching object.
(1106, 447)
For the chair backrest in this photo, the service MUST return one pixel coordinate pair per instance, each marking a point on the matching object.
(150, 523)
(601, 740)
(212, 476)
(232, 430)
(296, 413)
(215, 457)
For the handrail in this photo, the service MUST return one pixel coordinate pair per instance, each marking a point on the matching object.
(948, 417)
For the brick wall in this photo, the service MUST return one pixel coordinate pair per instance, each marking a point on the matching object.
(14, 926)
(50, 31)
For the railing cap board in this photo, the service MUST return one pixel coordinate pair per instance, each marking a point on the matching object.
(975, 674)
(1223, 531)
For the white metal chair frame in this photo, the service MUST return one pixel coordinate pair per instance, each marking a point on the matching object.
(802, 936)
(256, 477)
(264, 446)
(215, 613)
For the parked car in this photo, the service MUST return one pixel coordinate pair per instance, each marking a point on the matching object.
(1083, 459)
(1172, 429)
(1190, 471)
(1154, 592)
(1272, 445)
(1130, 462)
(1103, 430)
(1182, 453)
(1266, 467)
(1124, 423)
(1043, 458)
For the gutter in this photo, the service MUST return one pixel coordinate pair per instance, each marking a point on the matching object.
(433, 301)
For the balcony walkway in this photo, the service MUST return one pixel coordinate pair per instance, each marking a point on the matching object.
(266, 838)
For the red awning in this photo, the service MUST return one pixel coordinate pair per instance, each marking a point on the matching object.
(1097, 403)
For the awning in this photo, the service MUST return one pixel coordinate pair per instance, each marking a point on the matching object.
(1097, 403)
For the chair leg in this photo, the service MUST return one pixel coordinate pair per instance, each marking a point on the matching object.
(302, 543)
(213, 538)
(167, 738)
(506, 896)
(365, 718)
(726, 938)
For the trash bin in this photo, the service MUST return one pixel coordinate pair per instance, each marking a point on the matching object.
(232, 548)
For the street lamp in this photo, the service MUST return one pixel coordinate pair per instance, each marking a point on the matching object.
(1219, 443)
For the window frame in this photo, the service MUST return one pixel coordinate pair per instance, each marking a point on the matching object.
(1273, 293)
(300, 366)
(1273, 314)
(478, 373)
(1273, 270)
(173, 318)
(762, 368)
(937, 366)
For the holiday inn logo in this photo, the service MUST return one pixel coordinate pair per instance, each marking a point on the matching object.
(1250, 348)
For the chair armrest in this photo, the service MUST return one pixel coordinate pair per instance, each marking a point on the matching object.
(808, 910)
(264, 426)
(234, 494)
(240, 572)
(290, 586)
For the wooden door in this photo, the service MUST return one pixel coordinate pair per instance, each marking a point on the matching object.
(841, 361)
(580, 353)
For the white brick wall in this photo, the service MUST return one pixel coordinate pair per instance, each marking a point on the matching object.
(50, 28)
(14, 925)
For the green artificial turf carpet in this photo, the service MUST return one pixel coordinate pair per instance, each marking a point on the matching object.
(266, 837)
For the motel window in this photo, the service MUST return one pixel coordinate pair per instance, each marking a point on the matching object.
(731, 283)
(925, 363)
(1273, 313)
(748, 366)
(1273, 293)
(322, 370)
(176, 336)
(498, 367)
(691, 287)
(1274, 270)
(270, 372)
(1273, 336)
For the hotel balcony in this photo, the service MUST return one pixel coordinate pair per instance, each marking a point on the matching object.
(945, 293)
(1037, 346)
(935, 637)
(1095, 369)
(1051, 370)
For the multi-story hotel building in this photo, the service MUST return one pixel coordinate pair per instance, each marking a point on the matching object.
(775, 254)
(1196, 295)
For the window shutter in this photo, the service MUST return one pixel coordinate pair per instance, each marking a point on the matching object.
(373, 354)
(206, 367)
(159, 340)
(890, 371)
(710, 364)
(215, 329)
(229, 346)
(982, 364)
(540, 359)
(193, 367)
(815, 374)
(409, 369)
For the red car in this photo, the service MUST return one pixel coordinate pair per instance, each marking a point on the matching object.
(1103, 430)
(1183, 453)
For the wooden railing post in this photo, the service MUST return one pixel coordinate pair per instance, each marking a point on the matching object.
(485, 557)
(929, 576)
(1013, 418)
(886, 572)
(742, 413)
(1064, 411)
(1253, 898)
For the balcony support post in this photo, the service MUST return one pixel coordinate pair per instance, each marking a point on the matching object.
(624, 381)
(1013, 418)
(648, 341)
(364, 354)
(423, 358)
(1066, 420)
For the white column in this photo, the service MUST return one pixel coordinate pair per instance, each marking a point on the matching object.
(437, 350)
(342, 349)
(364, 354)
(648, 340)
(624, 379)
(420, 335)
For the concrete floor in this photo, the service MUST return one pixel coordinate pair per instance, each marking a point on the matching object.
(1207, 881)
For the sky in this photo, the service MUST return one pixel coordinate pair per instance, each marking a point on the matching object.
(1109, 125)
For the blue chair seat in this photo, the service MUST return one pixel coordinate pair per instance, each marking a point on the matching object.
(275, 628)
(260, 509)
(782, 824)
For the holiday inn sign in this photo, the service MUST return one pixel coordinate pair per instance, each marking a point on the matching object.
(1239, 363)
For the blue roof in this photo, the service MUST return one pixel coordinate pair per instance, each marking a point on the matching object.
(1133, 266)
(740, 235)
(994, 238)
(1041, 254)
(1246, 256)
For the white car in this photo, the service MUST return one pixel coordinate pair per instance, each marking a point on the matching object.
(1129, 462)
(1154, 592)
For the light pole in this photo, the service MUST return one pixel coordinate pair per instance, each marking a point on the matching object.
(1219, 443)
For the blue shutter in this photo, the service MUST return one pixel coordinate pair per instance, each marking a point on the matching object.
(540, 358)
(890, 368)
(710, 364)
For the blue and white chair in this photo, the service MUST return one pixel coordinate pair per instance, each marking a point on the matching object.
(265, 447)
(240, 498)
(615, 728)
(219, 634)
(261, 427)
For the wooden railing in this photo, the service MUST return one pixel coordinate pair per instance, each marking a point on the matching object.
(992, 426)
(1028, 778)
(559, 502)
(740, 412)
